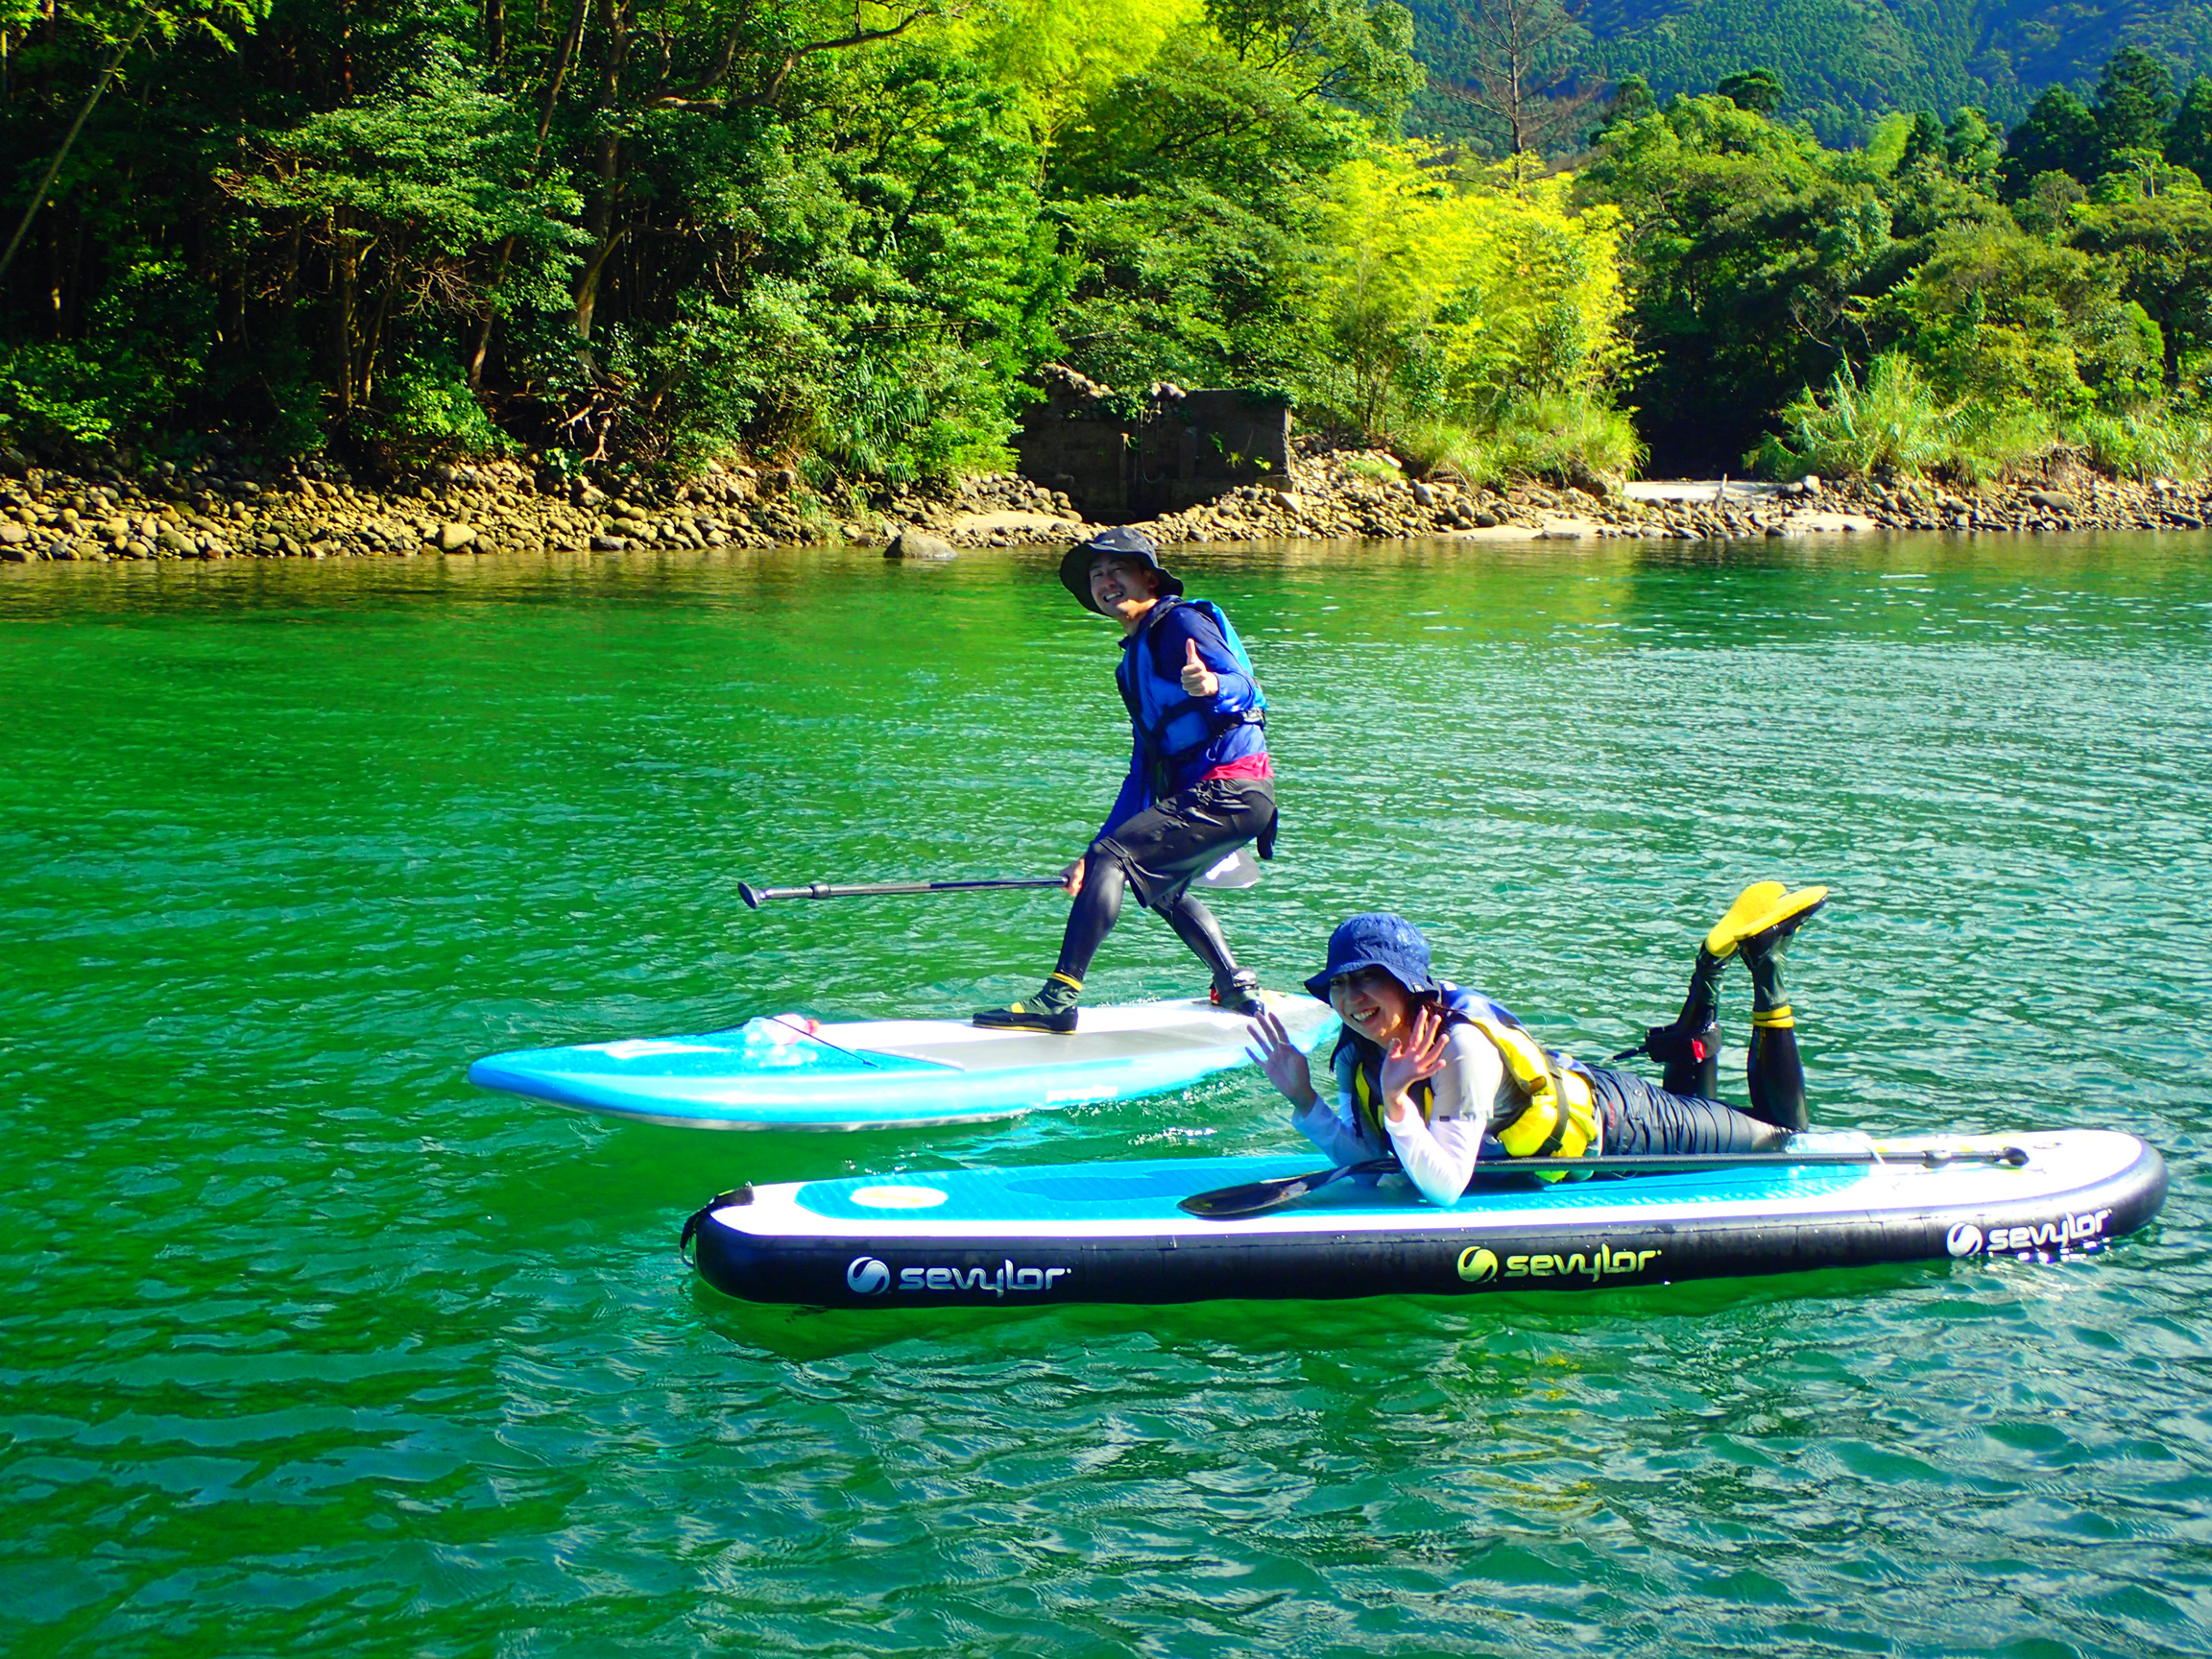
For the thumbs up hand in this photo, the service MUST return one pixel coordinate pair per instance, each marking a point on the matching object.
(1198, 679)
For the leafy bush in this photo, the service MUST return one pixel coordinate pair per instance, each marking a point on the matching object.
(424, 411)
(925, 411)
(772, 372)
(1896, 424)
(1373, 468)
(48, 390)
(144, 353)
(1995, 442)
(1565, 435)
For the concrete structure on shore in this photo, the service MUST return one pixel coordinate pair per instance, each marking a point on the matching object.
(1122, 456)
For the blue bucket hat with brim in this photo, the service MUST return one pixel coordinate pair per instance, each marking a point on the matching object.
(1377, 940)
(1122, 543)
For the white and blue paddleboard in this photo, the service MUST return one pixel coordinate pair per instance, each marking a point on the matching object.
(1113, 1232)
(787, 1072)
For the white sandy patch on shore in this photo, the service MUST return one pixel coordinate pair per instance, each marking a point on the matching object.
(1014, 521)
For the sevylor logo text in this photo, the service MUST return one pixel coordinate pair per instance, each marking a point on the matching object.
(1968, 1240)
(1479, 1266)
(866, 1276)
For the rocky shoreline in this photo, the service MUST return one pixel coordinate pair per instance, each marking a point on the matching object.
(223, 507)
(1366, 493)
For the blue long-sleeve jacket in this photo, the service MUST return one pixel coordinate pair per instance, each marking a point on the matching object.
(1194, 736)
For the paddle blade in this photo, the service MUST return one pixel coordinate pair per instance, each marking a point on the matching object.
(1237, 870)
(750, 894)
(1255, 1197)
(1251, 1198)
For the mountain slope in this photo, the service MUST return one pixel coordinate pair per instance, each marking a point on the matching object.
(1844, 61)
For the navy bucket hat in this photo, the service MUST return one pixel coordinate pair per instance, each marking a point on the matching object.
(1377, 940)
(1124, 542)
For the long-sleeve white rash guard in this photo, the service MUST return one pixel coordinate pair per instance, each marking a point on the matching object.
(1470, 1092)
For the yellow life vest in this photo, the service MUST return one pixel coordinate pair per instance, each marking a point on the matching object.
(1559, 1121)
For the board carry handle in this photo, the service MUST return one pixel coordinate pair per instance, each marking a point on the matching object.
(1256, 1197)
(721, 1200)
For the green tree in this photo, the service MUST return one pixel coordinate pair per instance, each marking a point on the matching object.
(2048, 208)
(1463, 297)
(398, 194)
(2009, 322)
(1631, 101)
(1357, 53)
(1757, 91)
(2161, 248)
(1192, 195)
(2134, 97)
(1974, 149)
(2058, 134)
(1747, 246)
(2188, 139)
(1923, 144)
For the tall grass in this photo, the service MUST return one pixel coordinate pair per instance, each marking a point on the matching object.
(1552, 435)
(2158, 442)
(1896, 424)
(1892, 424)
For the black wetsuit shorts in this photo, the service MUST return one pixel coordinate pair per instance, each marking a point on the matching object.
(1170, 844)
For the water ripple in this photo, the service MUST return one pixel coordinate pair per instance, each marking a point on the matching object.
(312, 1348)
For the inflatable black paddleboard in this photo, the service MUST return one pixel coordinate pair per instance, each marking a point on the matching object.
(1115, 1232)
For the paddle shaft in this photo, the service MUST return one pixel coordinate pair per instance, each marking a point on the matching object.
(1934, 1158)
(755, 896)
(1236, 869)
(1228, 1203)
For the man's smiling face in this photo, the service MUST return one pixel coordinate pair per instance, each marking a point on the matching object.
(1123, 588)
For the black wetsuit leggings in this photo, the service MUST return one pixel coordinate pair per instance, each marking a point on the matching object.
(1159, 852)
(1642, 1120)
(1099, 907)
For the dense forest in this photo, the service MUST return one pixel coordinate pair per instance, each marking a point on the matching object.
(616, 234)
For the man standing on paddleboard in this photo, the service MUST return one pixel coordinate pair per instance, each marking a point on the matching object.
(1200, 784)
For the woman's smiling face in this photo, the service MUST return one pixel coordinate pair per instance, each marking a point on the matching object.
(1372, 1003)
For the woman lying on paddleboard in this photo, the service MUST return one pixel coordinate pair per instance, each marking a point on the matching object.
(1444, 1078)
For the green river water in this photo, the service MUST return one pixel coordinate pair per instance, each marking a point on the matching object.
(307, 1347)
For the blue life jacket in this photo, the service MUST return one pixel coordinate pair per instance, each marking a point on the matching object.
(1172, 727)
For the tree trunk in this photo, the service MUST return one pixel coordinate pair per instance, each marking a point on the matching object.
(372, 337)
(569, 43)
(344, 262)
(616, 16)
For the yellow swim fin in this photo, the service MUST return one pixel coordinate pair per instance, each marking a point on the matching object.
(1761, 930)
(1729, 932)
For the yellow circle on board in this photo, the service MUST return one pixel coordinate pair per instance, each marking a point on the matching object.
(899, 1197)
(1476, 1265)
